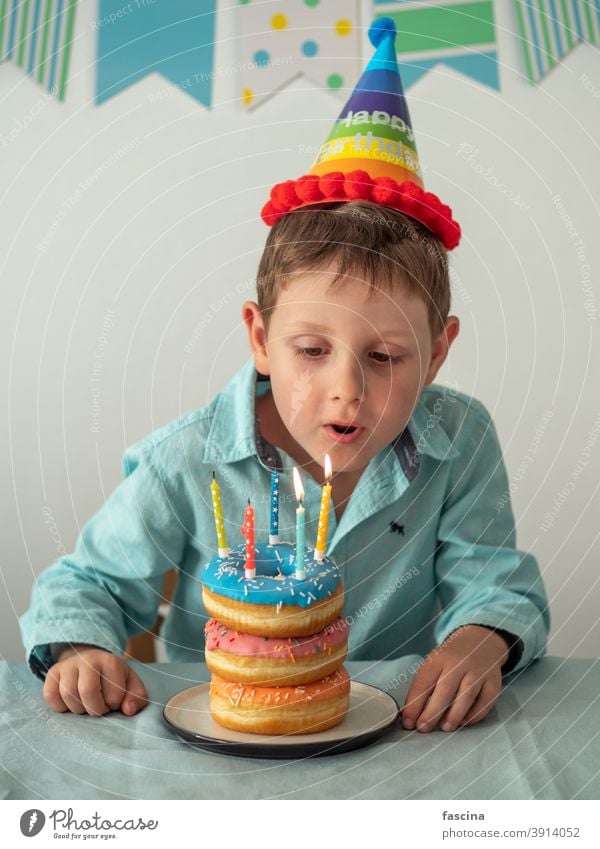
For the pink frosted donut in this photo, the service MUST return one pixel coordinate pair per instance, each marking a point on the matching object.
(275, 661)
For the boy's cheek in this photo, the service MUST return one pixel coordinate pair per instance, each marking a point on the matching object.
(300, 408)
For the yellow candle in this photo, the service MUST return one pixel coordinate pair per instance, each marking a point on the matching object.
(321, 545)
(219, 524)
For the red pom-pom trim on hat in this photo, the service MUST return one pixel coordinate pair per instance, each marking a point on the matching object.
(358, 185)
(407, 197)
(283, 195)
(269, 215)
(307, 188)
(332, 185)
(386, 192)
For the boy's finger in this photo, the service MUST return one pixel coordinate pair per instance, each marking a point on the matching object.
(51, 692)
(114, 681)
(465, 697)
(89, 686)
(420, 690)
(485, 702)
(68, 689)
(439, 701)
(136, 697)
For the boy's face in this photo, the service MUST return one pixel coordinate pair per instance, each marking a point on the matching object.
(345, 357)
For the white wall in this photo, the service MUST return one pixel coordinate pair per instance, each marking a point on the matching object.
(165, 239)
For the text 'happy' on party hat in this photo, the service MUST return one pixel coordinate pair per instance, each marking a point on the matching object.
(371, 153)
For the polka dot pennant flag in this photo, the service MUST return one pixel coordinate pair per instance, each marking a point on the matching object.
(37, 35)
(459, 35)
(551, 28)
(278, 42)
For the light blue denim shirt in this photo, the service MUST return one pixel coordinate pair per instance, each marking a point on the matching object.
(426, 542)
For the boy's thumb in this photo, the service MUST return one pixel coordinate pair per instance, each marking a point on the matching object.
(136, 696)
(131, 705)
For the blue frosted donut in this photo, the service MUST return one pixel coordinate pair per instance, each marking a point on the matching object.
(275, 576)
(274, 602)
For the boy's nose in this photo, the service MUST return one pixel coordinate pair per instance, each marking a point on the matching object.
(347, 382)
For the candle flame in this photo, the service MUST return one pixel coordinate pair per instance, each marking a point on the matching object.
(298, 484)
(328, 469)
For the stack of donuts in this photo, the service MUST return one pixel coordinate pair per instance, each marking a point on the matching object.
(275, 644)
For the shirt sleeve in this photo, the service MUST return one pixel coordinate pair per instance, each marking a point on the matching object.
(110, 588)
(482, 578)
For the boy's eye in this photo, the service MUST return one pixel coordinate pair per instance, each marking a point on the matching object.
(381, 357)
(309, 352)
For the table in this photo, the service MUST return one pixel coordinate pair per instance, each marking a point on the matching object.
(542, 741)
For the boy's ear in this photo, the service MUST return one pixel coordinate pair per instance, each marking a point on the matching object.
(441, 346)
(257, 336)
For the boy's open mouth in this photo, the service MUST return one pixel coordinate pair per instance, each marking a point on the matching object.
(343, 433)
(344, 428)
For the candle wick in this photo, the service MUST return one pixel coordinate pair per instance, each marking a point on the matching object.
(214, 475)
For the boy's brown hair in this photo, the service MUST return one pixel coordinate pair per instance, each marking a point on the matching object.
(370, 242)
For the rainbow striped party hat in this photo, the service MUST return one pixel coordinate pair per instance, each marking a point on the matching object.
(370, 153)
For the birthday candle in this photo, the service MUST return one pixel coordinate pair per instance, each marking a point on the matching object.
(248, 533)
(274, 531)
(218, 513)
(300, 526)
(321, 545)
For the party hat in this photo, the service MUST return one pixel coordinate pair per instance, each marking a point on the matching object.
(370, 153)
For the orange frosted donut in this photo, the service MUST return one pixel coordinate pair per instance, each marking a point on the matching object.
(247, 658)
(281, 710)
(275, 603)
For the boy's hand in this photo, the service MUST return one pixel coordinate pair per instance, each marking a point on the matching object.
(86, 679)
(458, 682)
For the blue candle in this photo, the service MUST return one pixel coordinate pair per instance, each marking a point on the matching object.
(300, 526)
(274, 530)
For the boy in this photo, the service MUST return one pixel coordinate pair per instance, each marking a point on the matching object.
(351, 327)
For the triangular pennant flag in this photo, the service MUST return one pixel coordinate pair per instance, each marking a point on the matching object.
(551, 28)
(36, 35)
(459, 35)
(277, 42)
(174, 38)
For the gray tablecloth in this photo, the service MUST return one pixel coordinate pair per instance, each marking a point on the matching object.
(540, 741)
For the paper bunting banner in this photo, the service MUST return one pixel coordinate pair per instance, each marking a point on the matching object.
(278, 42)
(459, 35)
(36, 35)
(174, 38)
(551, 28)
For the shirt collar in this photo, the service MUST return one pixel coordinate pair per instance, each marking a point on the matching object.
(233, 434)
(426, 426)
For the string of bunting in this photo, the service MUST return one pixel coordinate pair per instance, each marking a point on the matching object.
(279, 42)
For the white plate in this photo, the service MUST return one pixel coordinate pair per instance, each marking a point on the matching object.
(371, 714)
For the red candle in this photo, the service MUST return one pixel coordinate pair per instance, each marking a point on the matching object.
(248, 533)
